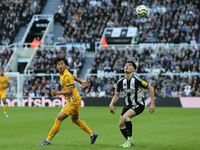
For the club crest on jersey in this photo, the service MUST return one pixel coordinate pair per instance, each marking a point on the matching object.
(132, 85)
(68, 81)
(3, 79)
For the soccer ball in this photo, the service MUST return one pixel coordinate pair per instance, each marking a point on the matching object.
(142, 11)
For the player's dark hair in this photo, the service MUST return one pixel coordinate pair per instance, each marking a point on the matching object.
(133, 64)
(57, 59)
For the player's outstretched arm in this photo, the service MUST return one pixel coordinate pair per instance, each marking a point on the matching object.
(151, 92)
(69, 91)
(84, 83)
(114, 100)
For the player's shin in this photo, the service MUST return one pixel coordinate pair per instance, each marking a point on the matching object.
(54, 129)
(83, 126)
(123, 131)
(5, 108)
(128, 124)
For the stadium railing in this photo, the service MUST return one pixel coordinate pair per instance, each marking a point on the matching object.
(97, 47)
(70, 45)
(141, 46)
(113, 74)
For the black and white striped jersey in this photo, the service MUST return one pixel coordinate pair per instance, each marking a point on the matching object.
(133, 90)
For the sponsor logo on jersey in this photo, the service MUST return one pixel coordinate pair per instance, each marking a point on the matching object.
(129, 90)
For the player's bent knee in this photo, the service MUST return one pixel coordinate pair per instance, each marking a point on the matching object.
(59, 119)
(75, 121)
(122, 124)
(4, 101)
(126, 119)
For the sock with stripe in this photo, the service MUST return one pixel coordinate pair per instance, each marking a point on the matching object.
(128, 124)
(123, 131)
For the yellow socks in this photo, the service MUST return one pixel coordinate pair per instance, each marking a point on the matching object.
(54, 130)
(5, 108)
(83, 126)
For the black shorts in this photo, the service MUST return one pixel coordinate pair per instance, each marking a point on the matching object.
(137, 108)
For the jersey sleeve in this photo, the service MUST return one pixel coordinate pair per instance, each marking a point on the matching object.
(7, 80)
(141, 82)
(69, 80)
(119, 86)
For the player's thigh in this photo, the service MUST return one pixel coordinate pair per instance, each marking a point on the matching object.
(3, 97)
(134, 111)
(70, 109)
(61, 116)
(130, 113)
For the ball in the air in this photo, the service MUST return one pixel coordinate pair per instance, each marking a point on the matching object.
(142, 11)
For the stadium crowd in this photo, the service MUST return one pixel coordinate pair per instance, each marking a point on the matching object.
(15, 14)
(85, 20)
(157, 68)
(167, 21)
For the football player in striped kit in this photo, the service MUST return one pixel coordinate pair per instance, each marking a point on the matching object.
(133, 87)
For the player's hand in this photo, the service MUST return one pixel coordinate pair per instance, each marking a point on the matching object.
(3, 87)
(151, 108)
(85, 83)
(54, 92)
(112, 109)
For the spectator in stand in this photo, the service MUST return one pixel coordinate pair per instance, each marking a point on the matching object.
(36, 42)
(50, 38)
(31, 94)
(78, 65)
(174, 93)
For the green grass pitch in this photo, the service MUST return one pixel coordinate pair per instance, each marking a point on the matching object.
(166, 129)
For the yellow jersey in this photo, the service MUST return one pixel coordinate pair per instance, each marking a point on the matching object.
(3, 80)
(66, 80)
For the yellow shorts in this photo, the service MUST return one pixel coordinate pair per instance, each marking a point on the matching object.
(2, 94)
(71, 109)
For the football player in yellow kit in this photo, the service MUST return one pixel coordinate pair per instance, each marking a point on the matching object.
(72, 107)
(4, 83)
